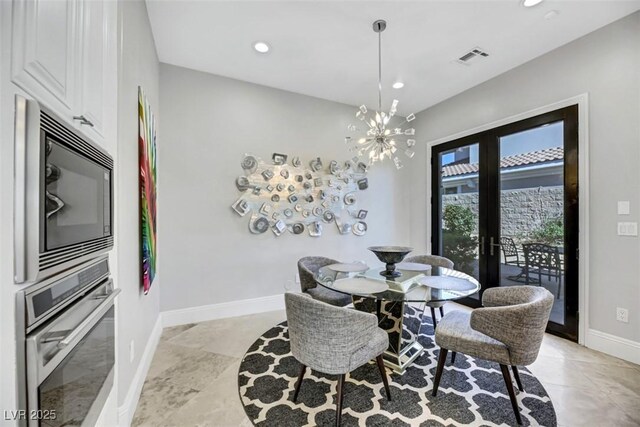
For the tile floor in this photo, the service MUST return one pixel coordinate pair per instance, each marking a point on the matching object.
(193, 378)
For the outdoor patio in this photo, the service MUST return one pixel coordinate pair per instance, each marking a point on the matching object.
(509, 277)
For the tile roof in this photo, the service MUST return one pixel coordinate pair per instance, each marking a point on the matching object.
(523, 159)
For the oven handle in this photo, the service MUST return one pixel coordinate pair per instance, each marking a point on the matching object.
(90, 319)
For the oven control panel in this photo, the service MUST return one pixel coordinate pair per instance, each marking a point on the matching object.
(43, 302)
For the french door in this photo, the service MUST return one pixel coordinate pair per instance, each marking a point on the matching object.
(505, 209)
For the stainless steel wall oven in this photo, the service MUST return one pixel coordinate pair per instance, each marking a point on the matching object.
(69, 346)
(63, 195)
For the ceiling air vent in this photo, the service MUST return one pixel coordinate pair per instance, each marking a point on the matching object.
(472, 56)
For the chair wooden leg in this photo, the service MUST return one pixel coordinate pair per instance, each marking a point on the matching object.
(453, 357)
(383, 374)
(516, 375)
(339, 399)
(441, 312)
(442, 358)
(303, 369)
(433, 317)
(512, 393)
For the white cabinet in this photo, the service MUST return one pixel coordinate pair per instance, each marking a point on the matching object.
(60, 56)
(45, 51)
(94, 56)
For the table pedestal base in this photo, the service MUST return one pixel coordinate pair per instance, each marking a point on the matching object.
(399, 362)
(402, 322)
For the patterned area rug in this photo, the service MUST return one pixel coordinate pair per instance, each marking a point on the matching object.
(472, 392)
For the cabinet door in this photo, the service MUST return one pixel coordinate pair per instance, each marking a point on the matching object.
(45, 50)
(94, 57)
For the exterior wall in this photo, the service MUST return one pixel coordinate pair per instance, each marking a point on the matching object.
(521, 211)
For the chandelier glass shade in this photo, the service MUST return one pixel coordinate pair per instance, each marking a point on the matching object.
(381, 134)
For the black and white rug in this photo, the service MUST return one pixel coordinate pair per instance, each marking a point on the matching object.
(472, 392)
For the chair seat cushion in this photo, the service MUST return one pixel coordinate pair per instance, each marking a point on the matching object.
(323, 294)
(379, 343)
(454, 333)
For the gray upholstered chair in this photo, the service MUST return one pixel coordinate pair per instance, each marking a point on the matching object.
(333, 340)
(436, 261)
(307, 267)
(507, 330)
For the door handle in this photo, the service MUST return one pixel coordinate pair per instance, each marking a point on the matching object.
(83, 120)
(492, 245)
(482, 245)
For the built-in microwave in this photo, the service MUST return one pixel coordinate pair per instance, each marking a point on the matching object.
(63, 195)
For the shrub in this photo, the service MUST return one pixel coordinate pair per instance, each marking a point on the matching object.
(458, 243)
(550, 232)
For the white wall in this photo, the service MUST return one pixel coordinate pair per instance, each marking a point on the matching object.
(606, 65)
(136, 313)
(208, 124)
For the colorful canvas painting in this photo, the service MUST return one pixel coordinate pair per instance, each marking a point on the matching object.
(148, 187)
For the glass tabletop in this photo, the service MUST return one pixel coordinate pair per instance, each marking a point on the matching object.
(433, 285)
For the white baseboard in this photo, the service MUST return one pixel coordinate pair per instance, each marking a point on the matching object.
(614, 346)
(204, 313)
(127, 410)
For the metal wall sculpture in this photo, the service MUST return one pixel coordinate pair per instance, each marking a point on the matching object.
(289, 195)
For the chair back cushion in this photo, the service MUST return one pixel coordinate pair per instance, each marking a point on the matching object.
(308, 266)
(517, 316)
(434, 260)
(324, 337)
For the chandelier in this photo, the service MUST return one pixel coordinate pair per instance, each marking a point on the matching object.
(381, 138)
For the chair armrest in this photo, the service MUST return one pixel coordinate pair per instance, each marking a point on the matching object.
(500, 297)
(357, 327)
(501, 323)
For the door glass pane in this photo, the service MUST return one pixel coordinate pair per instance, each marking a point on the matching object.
(459, 205)
(532, 211)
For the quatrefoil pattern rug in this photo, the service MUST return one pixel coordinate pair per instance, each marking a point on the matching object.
(472, 392)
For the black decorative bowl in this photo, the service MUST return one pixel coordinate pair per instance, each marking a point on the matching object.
(390, 255)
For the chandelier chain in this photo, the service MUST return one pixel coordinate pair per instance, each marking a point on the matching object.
(380, 71)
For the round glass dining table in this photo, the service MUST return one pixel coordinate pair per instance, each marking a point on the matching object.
(398, 302)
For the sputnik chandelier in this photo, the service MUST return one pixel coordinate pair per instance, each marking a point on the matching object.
(382, 138)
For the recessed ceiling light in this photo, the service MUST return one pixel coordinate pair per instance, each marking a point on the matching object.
(531, 3)
(261, 47)
(398, 85)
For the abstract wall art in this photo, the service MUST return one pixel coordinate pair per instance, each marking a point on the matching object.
(148, 190)
(296, 196)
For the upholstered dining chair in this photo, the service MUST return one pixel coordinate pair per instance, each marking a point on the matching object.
(307, 267)
(507, 330)
(435, 261)
(333, 340)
